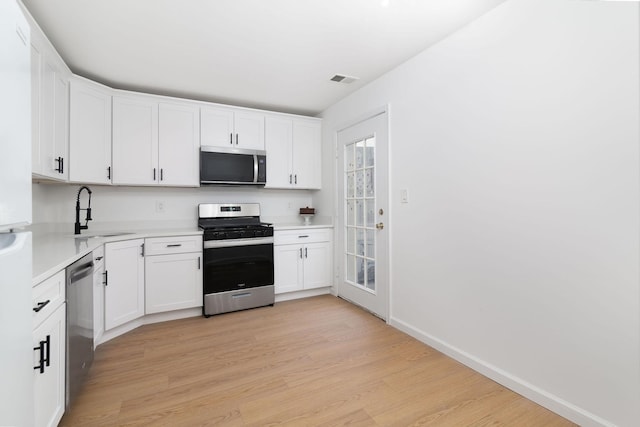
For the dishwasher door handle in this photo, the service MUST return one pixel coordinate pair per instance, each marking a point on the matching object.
(81, 272)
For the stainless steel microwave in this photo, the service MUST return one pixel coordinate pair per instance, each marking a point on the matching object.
(220, 165)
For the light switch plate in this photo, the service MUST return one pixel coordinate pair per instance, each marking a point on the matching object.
(404, 196)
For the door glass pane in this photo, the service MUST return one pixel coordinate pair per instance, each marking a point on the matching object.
(369, 182)
(350, 184)
(370, 212)
(371, 244)
(360, 213)
(360, 242)
(360, 270)
(351, 240)
(371, 274)
(359, 183)
(351, 271)
(359, 154)
(349, 159)
(370, 151)
(350, 213)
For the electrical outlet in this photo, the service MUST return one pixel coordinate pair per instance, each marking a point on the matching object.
(160, 206)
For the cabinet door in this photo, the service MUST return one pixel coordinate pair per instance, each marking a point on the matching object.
(216, 127)
(307, 152)
(89, 133)
(317, 265)
(135, 141)
(124, 290)
(98, 303)
(249, 130)
(179, 145)
(36, 66)
(173, 282)
(287, 265)
(49, 391)
(48, 160)
(61, 125)
(278, 139)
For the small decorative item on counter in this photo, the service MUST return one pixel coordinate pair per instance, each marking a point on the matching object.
(307, 213)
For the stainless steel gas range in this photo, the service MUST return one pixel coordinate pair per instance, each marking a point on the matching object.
(238, 257)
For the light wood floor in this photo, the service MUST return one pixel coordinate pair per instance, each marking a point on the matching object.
(313, 362)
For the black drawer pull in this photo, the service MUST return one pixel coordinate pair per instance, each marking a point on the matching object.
(41, 305)
(176, 245)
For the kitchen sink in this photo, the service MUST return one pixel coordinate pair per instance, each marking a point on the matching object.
(101, 235)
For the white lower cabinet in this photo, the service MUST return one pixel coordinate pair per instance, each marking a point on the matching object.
(173, 270)
(49, 350)
(124, 277)
(302, 259)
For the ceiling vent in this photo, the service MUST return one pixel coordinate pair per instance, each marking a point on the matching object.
(343, 79)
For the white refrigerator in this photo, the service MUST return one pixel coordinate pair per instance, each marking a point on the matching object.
(16, 346)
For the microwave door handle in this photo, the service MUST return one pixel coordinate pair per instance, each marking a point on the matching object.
(255, 168)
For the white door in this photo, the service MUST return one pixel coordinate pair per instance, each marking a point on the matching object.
(179, 144)
(89, 133)
(363, 204)
(135, 141)
(124, 287)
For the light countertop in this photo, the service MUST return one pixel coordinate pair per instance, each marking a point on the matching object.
(55, 246)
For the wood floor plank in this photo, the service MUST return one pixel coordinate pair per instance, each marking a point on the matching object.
(313, 362)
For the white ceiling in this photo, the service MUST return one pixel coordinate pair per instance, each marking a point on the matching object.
(271, 54)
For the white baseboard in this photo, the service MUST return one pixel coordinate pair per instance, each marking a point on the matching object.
(518, 385)
(302, 294)
(146, 320)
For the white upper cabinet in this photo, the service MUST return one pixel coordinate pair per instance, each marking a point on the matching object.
(89, 132)
(135, 140)
(179, 144)
(49, 104)
(293, 152)
(155, 143)
(231, 128)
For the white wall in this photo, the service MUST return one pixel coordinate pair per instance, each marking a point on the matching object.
(518, 253)
(55, 203)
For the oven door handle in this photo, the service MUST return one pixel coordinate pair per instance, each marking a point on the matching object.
(211, 244)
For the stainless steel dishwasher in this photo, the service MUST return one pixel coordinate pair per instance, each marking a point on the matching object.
(79, 325)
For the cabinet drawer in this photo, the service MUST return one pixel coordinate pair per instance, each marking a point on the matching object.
(302, 236)
(172, 245)
(47, 297)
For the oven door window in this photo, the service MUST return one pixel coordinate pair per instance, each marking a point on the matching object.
(239, 267)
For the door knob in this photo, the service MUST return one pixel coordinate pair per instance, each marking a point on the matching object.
(380, 226)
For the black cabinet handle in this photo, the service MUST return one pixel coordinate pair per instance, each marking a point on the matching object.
(41, 305)
(142, 249)
(154, 174)
(305, 253)
(98, 258)
(237, 139)
(300, 253)
(198, 263)
(59, 169)
(231, 138)
(108, 172)
(290, 179)
(161, 174)
(45, 354)
(106, 278)
(177, 245)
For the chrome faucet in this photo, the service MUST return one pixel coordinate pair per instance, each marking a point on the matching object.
(88, 209)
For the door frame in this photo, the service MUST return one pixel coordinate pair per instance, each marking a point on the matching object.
(339, 231)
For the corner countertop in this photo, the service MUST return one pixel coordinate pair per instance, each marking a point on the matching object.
(55, 247)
